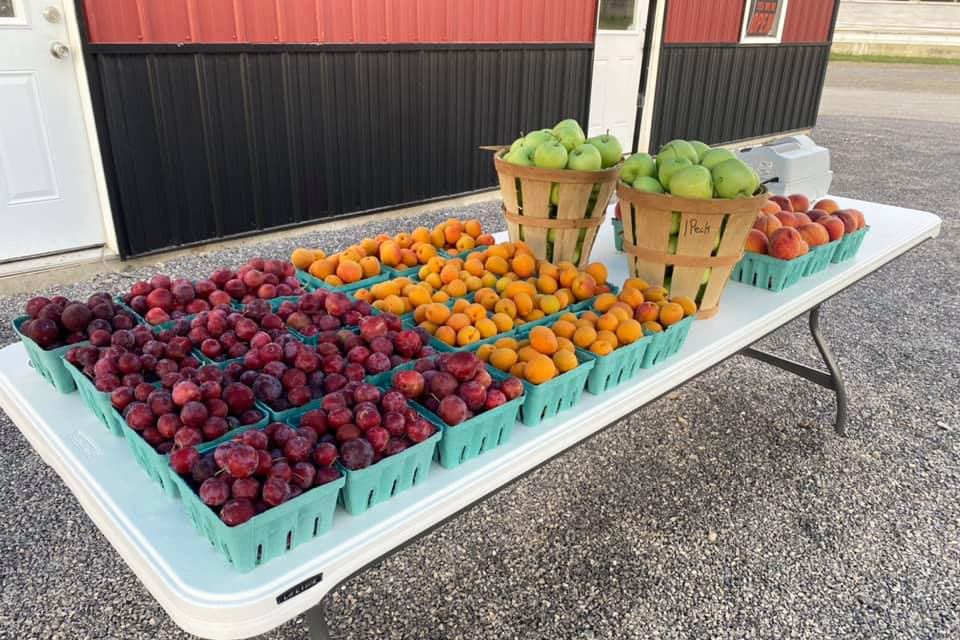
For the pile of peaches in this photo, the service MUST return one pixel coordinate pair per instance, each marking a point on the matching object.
(788, 227)
(402, 251)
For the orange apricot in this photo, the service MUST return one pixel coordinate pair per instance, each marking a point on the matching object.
(370, 266)
(689, 306)
(583, 337)
(565, 360)
(539, 369)
(543, 340)
(301, 258)
(629, 331)
(598, 270)
(503, 358)
(437, 313)
(670, 313)
(349, 271)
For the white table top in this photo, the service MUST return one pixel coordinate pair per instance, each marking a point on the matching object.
(206, 597)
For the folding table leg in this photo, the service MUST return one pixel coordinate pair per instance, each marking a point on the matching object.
(831, 379)
(317, 622)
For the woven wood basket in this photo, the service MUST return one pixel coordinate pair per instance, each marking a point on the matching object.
(526, 207)
(647, 222)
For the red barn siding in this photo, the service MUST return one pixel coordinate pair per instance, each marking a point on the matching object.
(704, 21)
(808, 21)
(339, 21)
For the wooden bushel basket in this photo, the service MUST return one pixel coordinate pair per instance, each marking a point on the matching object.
(530, 214)
(647, 219)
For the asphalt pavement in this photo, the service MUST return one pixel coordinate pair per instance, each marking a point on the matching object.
(727, 509)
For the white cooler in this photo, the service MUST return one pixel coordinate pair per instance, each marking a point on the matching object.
(794, 164)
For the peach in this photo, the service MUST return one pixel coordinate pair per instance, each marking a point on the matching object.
(770, 207)
(767, 223)
(787, 244)
(583, 286)
(390, 253)
(756, 242)
(826, 204)
(856, 213)
(801, 218)
(787, 219)
(649, 311)
(814, 234)
(799, 201)
(849, 221)
(816, 214)
(783, 202)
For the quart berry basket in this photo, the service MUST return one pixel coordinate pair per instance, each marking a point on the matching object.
(542, 401)
(157, 465)
(617, 234)
(616, 367)
(849, 245)
(311, 283)
(49, 363)
(97, 401)
(267, 535)
(766, 272)
(366, 488)
(822, 256)
(469, 439)
(666, 343)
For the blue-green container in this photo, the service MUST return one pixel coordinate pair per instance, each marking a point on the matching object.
(312, 284)
(267, 535)
(822, 256)
(97, 401)
(157, 465)
(616, 367)
(469, 439)
(665, 343)
(849, 245)
(542, 401)
(366, 488)
(767, 272)
(49, 363)
(617, 234)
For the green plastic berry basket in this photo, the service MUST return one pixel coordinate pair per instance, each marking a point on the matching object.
(366, 488)
(766, 272)
(664, 344)
(407, 272)
(49, 363)
(616, 367)
(97, 401)
(286, 414)
(157, 465)
(469, 439)
(822, 256)
(849, 245)
(617, 234)
(542, 401)
(311, 283)
(267, 535)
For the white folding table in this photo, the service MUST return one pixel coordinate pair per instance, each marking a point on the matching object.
(206, 597)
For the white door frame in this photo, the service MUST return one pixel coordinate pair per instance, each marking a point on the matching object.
(653, 68)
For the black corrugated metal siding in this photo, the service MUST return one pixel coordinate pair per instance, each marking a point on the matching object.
(203, 144)
(723, 93)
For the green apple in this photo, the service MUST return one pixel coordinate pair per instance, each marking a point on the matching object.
(667, 168)
(715, 156)
(551, 235)
(700, 148)
(677, 149)
(675, 223)
(648, 184)
(570, 134)
(692, 182)
(519, 142)
(609, 148)
(550, 155)
(521, 155)
(706, 276)
(585, 157)
(568, 122)
(734, 179)
(639, 164)
(536, 138)
(555, 194)
(672, 244)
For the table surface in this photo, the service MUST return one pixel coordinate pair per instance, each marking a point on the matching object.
(201, 592)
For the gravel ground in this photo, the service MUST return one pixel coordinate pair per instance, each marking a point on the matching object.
(727, 509)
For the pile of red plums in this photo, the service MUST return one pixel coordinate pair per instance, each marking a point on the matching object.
(57, 321)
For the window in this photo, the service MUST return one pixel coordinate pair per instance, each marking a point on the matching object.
(617, 15)
(6, 9)
(763, 21)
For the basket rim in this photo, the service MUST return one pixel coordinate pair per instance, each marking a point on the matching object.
(566, 176)
(670, 203)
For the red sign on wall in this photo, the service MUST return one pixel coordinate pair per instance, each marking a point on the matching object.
(763, 18)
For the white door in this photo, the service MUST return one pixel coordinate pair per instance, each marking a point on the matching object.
(48, 194)
(617, 58)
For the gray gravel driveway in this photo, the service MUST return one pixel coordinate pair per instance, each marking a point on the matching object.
(727, 509)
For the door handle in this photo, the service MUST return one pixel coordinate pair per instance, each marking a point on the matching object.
(59, 50)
